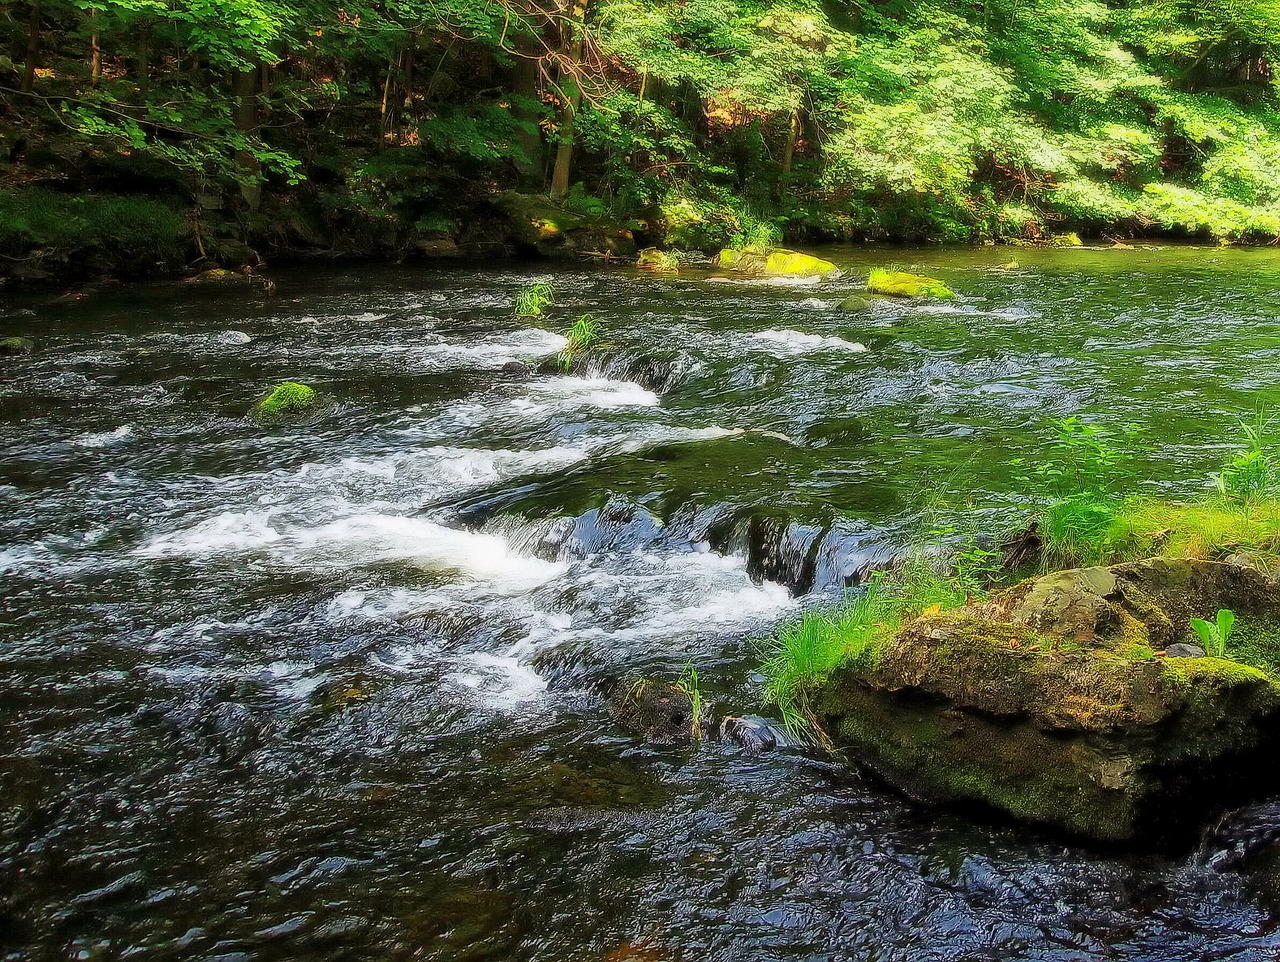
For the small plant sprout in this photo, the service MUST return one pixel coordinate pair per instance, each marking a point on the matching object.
(531, 300)
(581, 337)
(688, 686)
(1214, 636)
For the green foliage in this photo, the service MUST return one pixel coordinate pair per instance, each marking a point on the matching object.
(1080, 471)
(1252, 473)
(531, 300)
(131, 233)
(1081, 460)
(708, 123)
(581, 336)
(1214, 636)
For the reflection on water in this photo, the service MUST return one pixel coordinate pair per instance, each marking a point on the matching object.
(332, 690)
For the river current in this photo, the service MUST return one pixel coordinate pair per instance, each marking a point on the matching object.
(335, 690)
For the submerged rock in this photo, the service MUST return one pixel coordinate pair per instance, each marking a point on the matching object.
(284, 402)
(854, 304)
(218, 278)
(658, 711)
(16, 345)
(774, 262)
(1049, 703)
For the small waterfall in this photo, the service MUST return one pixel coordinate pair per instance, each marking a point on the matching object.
(661, 370)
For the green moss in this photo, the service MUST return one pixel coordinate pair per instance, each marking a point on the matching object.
(902, 284)
(774, 262)
(16, 345)
(127, 233)
(1256, 642)
(285, 400)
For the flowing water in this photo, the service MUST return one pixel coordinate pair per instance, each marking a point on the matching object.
(334, 690)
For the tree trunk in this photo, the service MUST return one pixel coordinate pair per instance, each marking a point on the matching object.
(95, 48)
(33, 50)
(574, 28)
(143, 59)
(246, 120)
(793, 134)
(524, 84)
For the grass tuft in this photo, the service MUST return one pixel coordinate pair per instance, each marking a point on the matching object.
(531, 300)
(582, 335)
(804, 653)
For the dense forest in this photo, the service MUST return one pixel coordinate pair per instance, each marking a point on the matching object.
(145, 134)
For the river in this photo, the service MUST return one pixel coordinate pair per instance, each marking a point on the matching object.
(334, 690)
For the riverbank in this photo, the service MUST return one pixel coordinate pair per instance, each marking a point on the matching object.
(51, 238)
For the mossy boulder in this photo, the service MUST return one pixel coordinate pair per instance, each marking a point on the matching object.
(1053, 701)
(657, 261)
(16, 345)
(774, 262)
(854, 304)
(902, 284)
(285, 402)
(540, 225)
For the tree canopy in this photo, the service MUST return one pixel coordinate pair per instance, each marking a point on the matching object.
(705, 120)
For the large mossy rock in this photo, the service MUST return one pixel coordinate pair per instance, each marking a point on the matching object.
(540, 225)
(774, 262)
(1053, 703)
(287, 401)
(902, 284)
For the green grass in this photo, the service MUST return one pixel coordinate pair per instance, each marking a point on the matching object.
(531, 300)
(804, 653)
(1251, 474)
(581, 336)
(688, 686)
(901, 284)
(1081, 532)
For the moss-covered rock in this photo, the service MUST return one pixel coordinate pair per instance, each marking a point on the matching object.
(774, 262)
(902, 284)
(285, 402)
(540, 225)
(657, 261)
(854, 304)
(1052, 703)
(16, 345)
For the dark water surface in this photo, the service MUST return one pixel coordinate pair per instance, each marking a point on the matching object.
(333, 691)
